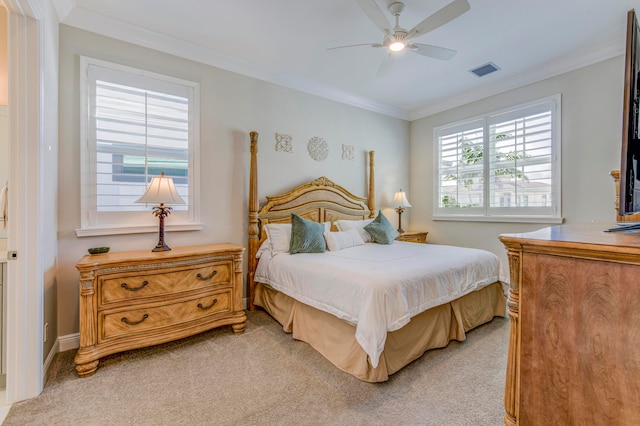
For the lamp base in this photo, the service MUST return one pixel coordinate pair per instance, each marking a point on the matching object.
(161, 212)
(400, 210)
(161, 247)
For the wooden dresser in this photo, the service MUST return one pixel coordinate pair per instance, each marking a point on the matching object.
(413, 237)
(574, 307)
(135, 299)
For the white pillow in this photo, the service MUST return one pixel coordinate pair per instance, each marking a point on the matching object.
(342, 240)
(346, 225)
(279, 234)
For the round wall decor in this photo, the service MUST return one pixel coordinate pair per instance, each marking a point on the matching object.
(318, 148)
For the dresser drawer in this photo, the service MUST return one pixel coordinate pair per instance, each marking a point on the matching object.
(116, 288)
(135, 299)
(115, 324)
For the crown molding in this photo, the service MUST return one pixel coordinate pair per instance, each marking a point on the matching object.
(63, 8)
(543, 72)
(114, 28)
(69, 14)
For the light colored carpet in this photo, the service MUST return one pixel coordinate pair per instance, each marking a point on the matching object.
(264, 377)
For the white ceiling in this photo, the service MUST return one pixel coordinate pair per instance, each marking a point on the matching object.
(286, 41)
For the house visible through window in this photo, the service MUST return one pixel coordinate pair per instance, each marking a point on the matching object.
(502, 166)
(137, 124)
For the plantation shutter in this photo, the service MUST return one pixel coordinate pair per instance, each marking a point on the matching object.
(461, 167)
(136, 125)
(503, 166)
(139, 133)
(521, 167)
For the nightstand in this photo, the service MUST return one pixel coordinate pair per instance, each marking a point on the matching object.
(133, 299)
(413, 237)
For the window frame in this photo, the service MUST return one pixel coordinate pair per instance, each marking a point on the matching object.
(487, 213)
(94, 223)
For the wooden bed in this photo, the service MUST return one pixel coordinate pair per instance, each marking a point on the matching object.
(324, 201)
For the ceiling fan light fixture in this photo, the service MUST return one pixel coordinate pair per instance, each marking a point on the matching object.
(396, 46)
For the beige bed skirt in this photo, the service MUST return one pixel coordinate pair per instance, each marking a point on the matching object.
(335, 338)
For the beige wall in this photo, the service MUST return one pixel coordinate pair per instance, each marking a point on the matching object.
(591, 138)
(232, 105)
(4, 57)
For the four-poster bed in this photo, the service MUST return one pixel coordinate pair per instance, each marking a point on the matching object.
(346, 331)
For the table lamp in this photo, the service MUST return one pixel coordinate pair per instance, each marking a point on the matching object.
(161, 191)
(400, 202)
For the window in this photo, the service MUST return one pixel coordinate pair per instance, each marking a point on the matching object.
(135, 125)
(504, 166)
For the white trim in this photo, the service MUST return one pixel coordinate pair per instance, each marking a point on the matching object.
(52, 353)
(85, 19)
(92, 221)
(119, 230)
(101, 24)
(486, 213)
(549, 70)
(68, 342)
(25, 301)
(510, 219)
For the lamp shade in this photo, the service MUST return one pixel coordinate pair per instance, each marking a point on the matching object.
(400, 199)
(161, 191)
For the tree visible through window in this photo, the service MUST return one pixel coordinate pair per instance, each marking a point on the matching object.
(503, 164)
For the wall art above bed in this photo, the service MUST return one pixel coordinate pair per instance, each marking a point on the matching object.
(284, 143)
(318, 148)
(347, 152)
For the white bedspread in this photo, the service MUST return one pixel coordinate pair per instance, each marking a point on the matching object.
(377, 287)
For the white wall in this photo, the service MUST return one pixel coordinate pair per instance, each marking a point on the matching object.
(231, 106)
(591, 140)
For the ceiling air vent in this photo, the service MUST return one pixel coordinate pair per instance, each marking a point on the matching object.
(485, 69)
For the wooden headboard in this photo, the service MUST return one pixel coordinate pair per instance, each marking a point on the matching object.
(320, 200)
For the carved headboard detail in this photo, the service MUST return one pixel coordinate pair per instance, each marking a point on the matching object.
(320, 200)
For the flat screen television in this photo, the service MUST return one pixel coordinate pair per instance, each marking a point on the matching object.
(629, 196)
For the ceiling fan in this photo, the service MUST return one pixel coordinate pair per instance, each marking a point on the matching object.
(398, 39)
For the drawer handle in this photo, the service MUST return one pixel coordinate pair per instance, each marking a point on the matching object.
(206, 308)
(126, 321)
(213, 274)
(126, 287)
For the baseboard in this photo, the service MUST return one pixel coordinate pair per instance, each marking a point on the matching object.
(47, 362)
(68, 342)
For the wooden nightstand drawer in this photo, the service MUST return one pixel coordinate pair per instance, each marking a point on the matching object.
(134, 299)
(413, 237)
(129, 286)
(148, 318)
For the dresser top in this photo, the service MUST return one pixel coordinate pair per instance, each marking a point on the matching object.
(581, 236)
(110, 258)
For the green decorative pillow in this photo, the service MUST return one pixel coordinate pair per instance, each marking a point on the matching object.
(306, 236)
(381, 230)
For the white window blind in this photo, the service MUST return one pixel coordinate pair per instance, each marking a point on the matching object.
(137, 125)
(503, 166)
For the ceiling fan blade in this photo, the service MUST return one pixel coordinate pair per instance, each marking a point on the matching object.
(438, 19)
(371, 9)
(356, 45)
(385, 66)
(432, 51)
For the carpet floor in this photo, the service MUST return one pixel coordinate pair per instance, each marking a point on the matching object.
(264, 377)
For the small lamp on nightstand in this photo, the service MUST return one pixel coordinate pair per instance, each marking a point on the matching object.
(161, 190)
(400, 202)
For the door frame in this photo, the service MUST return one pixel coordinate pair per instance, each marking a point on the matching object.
(25, 289)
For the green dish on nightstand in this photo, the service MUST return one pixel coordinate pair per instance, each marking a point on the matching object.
(98, 250)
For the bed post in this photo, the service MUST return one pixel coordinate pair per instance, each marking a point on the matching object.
(372, 186)
(254, 238)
